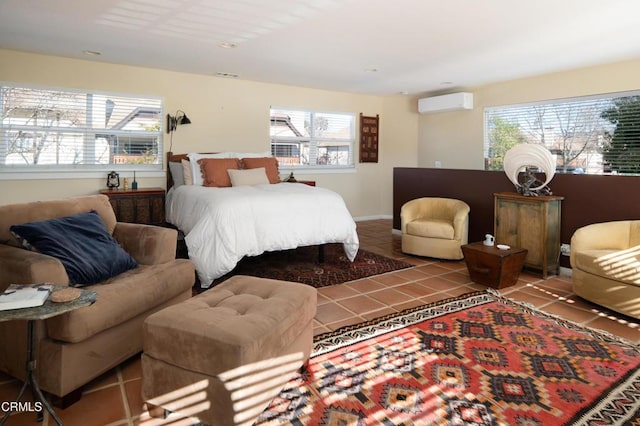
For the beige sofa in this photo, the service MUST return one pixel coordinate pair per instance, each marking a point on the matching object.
(605, 258)
(76, 347)
(435, 227)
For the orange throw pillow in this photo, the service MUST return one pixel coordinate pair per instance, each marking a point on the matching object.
(214, 170)
(270, 165)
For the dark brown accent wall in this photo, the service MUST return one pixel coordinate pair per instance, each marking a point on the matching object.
(587, 198)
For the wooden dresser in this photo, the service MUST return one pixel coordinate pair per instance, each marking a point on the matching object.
(143, 205)
(531, 223)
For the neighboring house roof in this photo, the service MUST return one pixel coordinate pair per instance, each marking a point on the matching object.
(138, 112)
(283, 119)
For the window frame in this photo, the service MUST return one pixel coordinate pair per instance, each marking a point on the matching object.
(554, 103)
(299, 140)
(76, 171)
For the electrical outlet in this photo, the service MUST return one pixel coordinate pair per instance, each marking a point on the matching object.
(565, 249)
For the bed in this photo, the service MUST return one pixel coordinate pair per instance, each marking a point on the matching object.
(224, 224)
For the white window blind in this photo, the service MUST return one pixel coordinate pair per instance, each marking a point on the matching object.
(49, 129)
(307, 139)
(593, 135)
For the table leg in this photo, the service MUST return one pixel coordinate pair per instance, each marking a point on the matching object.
(31, 379)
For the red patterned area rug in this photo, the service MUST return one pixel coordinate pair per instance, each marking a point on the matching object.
(301, 265)
(479, 359)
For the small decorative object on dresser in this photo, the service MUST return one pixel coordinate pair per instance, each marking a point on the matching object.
(134, 184)
(113, 180)
(530, 158)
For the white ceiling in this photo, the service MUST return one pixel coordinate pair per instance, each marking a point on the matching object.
(414, 46)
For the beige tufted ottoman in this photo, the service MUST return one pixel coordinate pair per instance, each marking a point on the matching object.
(224, 354)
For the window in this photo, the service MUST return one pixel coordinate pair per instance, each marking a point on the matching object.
(593, 135)
(305, 139)
(64, 130)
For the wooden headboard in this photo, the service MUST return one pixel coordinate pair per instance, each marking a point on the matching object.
(173, 158)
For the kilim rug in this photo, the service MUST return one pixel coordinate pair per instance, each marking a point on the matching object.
(479, 359)
(301, 265)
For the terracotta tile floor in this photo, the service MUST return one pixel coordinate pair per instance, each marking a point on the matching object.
(114, 399)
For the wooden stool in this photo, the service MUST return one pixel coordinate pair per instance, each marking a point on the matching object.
(493, 267)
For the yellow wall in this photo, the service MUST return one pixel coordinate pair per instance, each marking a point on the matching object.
(226, 115)
(233, 115)
(456, 138)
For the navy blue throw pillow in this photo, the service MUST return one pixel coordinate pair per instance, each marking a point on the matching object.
(82, 243)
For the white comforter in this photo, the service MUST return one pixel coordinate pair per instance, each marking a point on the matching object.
(222, 225)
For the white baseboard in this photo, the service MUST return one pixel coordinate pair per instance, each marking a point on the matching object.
(377, 217)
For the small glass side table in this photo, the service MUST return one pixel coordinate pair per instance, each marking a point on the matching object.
(47, 310)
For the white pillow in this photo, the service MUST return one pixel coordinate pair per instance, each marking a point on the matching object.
(186, 172)
(242, 177)
(196, 173)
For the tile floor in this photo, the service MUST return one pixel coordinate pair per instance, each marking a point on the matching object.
(114, 399)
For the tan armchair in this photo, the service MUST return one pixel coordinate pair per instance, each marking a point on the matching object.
(435, 227)
(605, 262)
(78, 346)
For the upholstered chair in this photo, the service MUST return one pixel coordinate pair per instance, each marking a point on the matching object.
(435, 227)
(605, 262)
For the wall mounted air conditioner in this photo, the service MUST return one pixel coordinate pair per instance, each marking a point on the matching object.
(450, 102)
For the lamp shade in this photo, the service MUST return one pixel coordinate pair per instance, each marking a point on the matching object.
(173, 121)
(183, 119)
(524, 155)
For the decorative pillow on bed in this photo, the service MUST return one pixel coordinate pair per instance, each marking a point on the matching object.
(270, 165)
(196, 172)
(214, 170)
(186, 172)
(177, 173)
(82, 243)
(248, 177)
